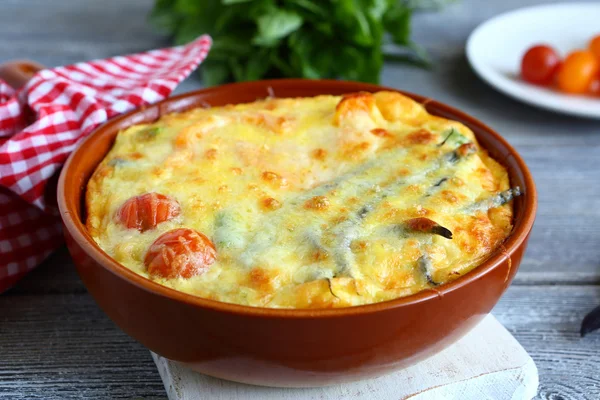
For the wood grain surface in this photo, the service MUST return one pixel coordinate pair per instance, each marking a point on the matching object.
(55, 343)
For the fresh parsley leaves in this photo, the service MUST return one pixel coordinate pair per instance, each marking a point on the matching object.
(254, 39)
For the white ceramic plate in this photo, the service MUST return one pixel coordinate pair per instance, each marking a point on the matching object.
(496, 47)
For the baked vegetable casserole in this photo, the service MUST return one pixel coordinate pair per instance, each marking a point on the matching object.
(312, 202)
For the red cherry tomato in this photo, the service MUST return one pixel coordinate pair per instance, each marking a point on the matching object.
(180, 253)
(577, 72)
(595, 47)
(539, 65)
(148, 210)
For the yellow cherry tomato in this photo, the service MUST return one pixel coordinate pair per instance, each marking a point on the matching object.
(577, 72)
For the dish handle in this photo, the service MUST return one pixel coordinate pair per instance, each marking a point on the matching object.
(18, 72)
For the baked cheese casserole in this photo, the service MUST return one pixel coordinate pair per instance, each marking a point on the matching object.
(312, 202)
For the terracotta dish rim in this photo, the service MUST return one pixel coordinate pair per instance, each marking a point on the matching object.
(76, 228)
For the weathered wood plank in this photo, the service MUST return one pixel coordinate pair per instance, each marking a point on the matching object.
(66, 31)
(546, 322)
(56, 275)
(63, 346)
(59, 346)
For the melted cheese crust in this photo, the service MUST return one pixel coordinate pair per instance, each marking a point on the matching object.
(307, 199)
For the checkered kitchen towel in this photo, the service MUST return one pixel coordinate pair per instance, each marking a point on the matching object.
(42, 123)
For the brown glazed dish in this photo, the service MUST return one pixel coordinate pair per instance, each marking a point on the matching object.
(286, 347)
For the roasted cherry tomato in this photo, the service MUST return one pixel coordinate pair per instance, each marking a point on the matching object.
(182, 253)
(540, 64)
(147, 210)
(577, 72)
(595, 47)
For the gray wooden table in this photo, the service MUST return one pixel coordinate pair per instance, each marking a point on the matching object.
(56, 343)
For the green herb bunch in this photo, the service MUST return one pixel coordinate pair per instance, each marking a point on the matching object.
(254, 39)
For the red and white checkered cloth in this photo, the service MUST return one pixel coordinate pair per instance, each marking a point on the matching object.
(66, 104)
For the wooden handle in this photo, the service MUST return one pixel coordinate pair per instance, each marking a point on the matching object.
(17, 73)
